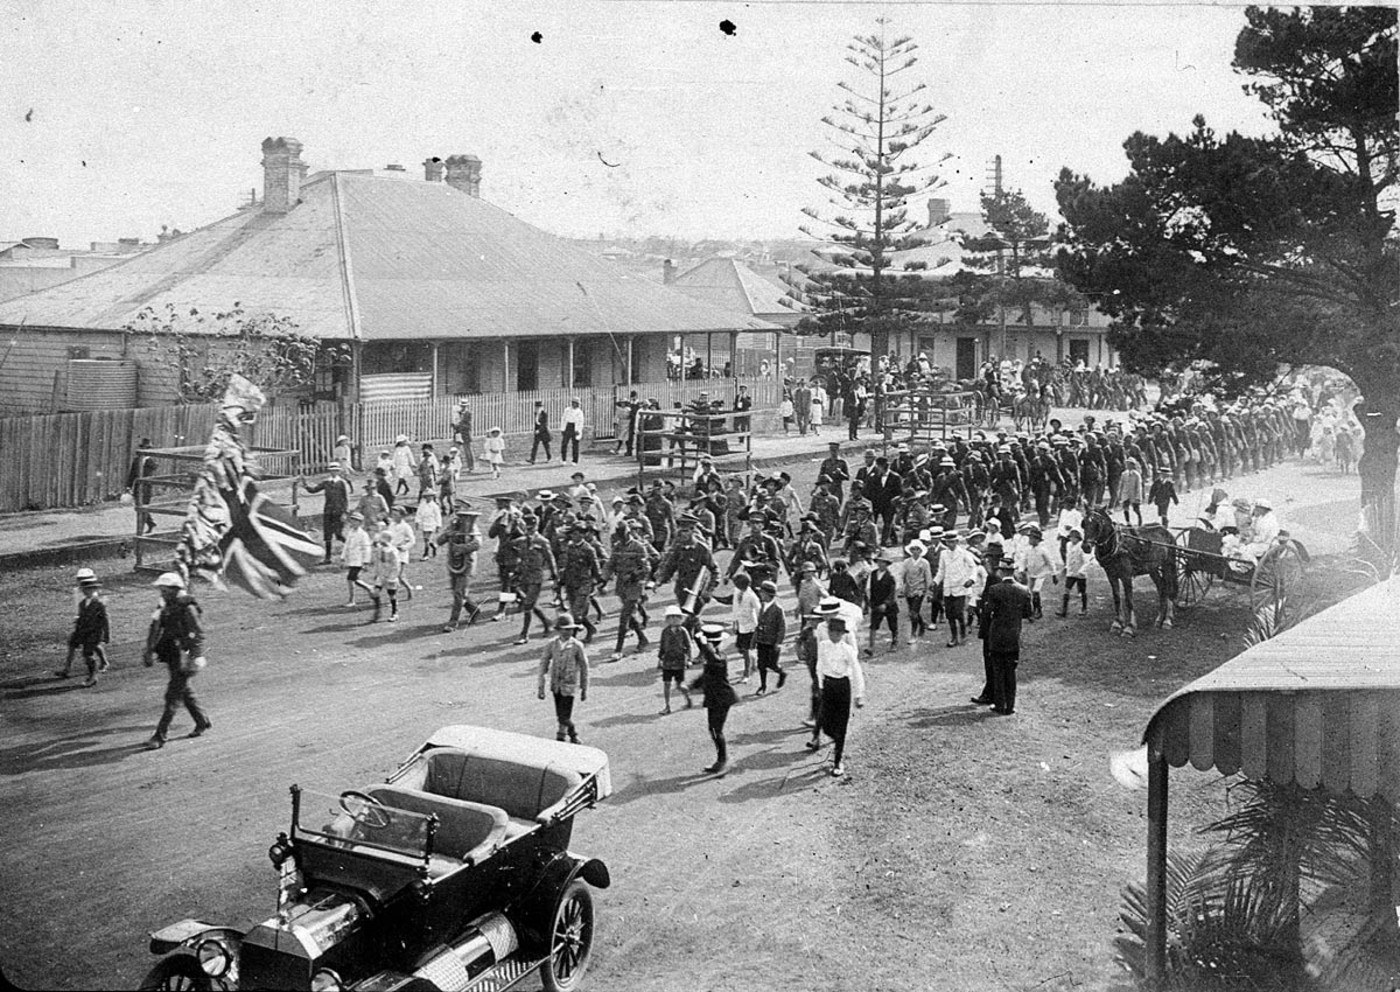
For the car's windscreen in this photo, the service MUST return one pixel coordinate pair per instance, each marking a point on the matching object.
(361, 819)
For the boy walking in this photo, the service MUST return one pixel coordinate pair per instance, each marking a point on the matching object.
(673, 654)
(1076, 565)
(90, 629)
(565, 667)
(769, 635)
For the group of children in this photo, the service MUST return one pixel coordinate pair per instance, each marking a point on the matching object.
(376, 555)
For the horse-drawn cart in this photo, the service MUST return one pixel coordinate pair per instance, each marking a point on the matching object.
(1201, 563)
(1185, 565)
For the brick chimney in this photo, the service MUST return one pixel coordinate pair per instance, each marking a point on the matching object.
(432, 169)
(668, 272)
(464, 173)
(283, 172)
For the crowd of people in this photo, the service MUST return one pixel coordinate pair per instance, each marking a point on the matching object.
(909, 546)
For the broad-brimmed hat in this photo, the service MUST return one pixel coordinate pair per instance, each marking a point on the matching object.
(713, 631)
(1240, 503)
(674, 611)
(915, 546)
(565, 621)
(357, 516)
(769, 586)
(169, 580)
(808, 567)
(1263, 504)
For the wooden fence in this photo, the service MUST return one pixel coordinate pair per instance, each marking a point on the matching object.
(78, 459)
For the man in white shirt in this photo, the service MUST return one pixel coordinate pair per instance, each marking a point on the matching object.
(1071, 518)
(745, 619)
(957, 575)
(573, 430)
(1038, 566)
(842, 682)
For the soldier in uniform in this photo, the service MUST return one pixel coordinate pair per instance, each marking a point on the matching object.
(759, 548)
(632, 567)
(533, 560)
(506, 527)
(579, 575)
(837, 472)
(689, 560)
(1045, 480)
(825, 507)
(463, 541)
(661, 515)
(948, 490)
(176, 639)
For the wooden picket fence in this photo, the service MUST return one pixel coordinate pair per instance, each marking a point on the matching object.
(79, 459)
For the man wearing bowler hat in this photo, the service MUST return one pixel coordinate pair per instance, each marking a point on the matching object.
(1004, 607)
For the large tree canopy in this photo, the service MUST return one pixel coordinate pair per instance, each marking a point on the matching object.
(1247, 253)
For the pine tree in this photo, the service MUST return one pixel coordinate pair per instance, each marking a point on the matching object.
(876, 128)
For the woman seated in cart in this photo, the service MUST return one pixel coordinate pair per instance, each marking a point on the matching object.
(1256, 535)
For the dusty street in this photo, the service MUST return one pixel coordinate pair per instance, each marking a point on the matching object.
(963, 852)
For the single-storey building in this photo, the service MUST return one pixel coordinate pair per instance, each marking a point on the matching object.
(435, 291)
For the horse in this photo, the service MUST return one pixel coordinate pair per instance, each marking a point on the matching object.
(1125, 553)
(1032, 408)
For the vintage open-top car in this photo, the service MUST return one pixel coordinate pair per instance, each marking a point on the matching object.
(454, 874)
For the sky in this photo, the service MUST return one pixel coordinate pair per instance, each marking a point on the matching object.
(626, 118)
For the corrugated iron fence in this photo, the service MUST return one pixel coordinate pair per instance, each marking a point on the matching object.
(78, 459)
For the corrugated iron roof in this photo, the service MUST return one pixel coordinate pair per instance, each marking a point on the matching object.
(1319, 704)
(731, 285)
(383, 259)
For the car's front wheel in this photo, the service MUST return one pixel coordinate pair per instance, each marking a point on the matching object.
(570, 940)
(177, 973)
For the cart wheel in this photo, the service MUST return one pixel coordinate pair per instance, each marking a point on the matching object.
(1278, 576)
(1192, 585)
(177, 973)
(570, 940)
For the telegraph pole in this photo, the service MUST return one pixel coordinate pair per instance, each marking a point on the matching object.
(1001, 266)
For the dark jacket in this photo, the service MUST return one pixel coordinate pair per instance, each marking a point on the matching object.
(175, 628)
(337, 494)
(714, 679)
(882, 592)
(1006, 605)
(91, 626)
(772, 624)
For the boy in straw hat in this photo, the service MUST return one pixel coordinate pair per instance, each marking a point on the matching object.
(719, 695)
(674, 651)
(565, 668)
(842, 683)
(91, 629)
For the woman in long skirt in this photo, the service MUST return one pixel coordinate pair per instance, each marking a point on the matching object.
(842, 682)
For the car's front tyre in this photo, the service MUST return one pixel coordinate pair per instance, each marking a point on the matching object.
(571, 939)
(177, 973)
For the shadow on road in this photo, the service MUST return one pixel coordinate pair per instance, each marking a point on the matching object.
(644, 788)
(73, 751)
(42, 685)
(964, 715)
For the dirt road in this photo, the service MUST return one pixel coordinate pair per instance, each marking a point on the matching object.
(964, 852)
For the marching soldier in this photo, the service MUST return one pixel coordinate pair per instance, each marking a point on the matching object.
(533, 560)
(579, 574)
(760, 548)
(689, 560)
(463, 541)
(632, 566)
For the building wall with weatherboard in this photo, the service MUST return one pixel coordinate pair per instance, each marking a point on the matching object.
(34, 367)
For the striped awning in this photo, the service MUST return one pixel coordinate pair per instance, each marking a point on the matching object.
(1318, 705)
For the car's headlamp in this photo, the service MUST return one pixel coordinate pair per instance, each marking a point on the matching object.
(214, 957)
(326, 980)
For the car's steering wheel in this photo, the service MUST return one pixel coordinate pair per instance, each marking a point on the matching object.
(364, 809)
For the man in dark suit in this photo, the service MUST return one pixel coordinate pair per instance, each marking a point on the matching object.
(541, 432)
(802, 407)
(1004, 608)
(884, 489)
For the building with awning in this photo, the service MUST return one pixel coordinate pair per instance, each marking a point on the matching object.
(1317, 706)
(433, 290)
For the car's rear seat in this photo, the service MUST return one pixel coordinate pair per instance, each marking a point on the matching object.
(467, 832)
(527, 791)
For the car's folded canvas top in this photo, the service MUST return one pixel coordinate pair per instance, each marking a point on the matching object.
(510, 746)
